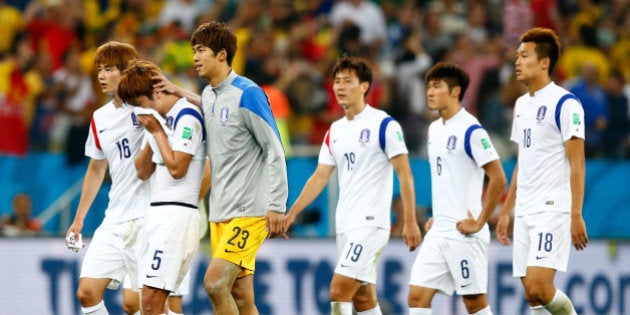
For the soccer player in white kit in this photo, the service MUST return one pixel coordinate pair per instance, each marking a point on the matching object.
(454, 254)
(114, 140)
(174, 163)
(547, 187)
(365, 146)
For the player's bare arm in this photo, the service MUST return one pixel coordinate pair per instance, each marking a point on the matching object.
(176, 162)
(496, 183)
(313, 187)
(506, 211)
(92, 182)
(411, 231)
(575, 153)
(144, 165)
(205, 180)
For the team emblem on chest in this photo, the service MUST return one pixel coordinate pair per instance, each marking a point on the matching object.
(451, 143)
(540, 114)
(364, 137)
(224, 114)
(169, 122)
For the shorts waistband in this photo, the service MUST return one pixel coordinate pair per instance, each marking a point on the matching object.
(173, 203)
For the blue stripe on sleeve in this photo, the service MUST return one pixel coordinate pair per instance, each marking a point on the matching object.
(559, 107)
(381, 131)
(467, 136)
(194, 113)
(255, 100)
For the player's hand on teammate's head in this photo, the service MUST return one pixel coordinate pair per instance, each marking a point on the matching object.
(162, 84)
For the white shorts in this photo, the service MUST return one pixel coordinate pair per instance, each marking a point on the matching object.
(171, 235)
(451, 265)
(184, 287)
(541, 240)
(113, 252)
(358, 251)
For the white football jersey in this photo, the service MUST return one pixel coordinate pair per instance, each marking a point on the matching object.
(361, 149)
(541, 126)
(184, 129)
(458, 149)
(116, 135)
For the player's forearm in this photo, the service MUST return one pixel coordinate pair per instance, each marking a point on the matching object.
(313, 187)
(91, 185)
(578, 171)
(189, 96)
(510, 200)
(408, 195)
(144, 165)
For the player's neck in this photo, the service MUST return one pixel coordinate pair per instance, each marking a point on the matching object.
(117, 100)
(450, 111)
(537, 84)
(354, 110)
(220, 76)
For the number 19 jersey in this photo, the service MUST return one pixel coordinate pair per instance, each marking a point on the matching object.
(360, 150)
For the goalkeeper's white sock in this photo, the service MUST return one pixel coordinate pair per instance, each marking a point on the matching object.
(98, 309)
(341, 308)
(560, 304)
(374, 311)
(419, 311)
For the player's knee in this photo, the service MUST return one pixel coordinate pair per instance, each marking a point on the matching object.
(534, 292)
(87, 296)
(338, 295)
(215, 289)
(363, 303)
(130, 307)
(475, 303)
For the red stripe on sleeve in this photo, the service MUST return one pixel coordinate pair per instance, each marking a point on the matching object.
(95, 134)
(327, 141)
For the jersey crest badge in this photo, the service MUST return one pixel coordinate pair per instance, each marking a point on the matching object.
(364, 137)
(134, 120)
(169, 122)
(224, 115)
(451, 143)
(540, 114)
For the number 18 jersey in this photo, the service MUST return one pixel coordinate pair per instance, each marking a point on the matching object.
(360, 150)
(542, 124)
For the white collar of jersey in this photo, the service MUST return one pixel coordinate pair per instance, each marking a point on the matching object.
(544, 89)
(227, 82)
(363, 113)
(454, 118)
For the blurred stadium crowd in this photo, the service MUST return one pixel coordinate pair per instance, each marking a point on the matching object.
(48, 88)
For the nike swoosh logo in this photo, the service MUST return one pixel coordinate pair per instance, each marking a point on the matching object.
(150, 276)
(344, 266)
(465, 285)
(101, 130)
(541, 257)
(229, 251)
